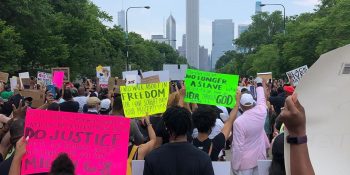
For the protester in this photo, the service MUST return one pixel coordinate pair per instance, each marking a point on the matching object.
(277, 99)
(249, 139)
(81, 98)
(277, 165)
(178, 157)
(204, 120)
(69, 105)
(93, 105)
(105, 107)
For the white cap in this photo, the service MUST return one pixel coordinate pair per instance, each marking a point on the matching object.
(105, 104)
(247, 100)
(258, 80)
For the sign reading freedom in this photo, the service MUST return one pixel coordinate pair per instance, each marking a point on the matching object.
(96, 144)
(210, 88)
(142, 99)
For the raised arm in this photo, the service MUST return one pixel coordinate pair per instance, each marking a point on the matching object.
(293, 116)
(260, 92)
(20, 151)
(146, 148)
(233, 114)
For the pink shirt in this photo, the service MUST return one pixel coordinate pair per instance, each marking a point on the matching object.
(249, 139)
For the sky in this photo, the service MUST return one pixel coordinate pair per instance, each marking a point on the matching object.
(152, 21)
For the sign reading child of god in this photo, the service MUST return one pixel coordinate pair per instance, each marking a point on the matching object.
(211, 88)
(96, 144)
(144, 99)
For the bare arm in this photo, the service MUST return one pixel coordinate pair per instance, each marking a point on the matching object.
(146, 148)
(20, 151)
(226, 130)
(293, 116)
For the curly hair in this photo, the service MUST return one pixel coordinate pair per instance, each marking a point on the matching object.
(177, 120)
(204, 118)
(62, 165)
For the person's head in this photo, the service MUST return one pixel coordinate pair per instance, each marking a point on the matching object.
(247, 101)
(118, 106)
(277, 166)
(62, 165)
(16, 130)
(53, 107)
(93, 103)
(289, 90)
(67, 96)
(105, 106)
(177, 121)
(244, 90)
(81, 91)
(273, 93)
(104, 94)
(204, 118)
(280, 90)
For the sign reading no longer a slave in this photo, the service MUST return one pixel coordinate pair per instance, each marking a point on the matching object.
(142, 99)
(96, 144)
(211, 88)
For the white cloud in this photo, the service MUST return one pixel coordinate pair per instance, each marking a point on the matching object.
(306, 3)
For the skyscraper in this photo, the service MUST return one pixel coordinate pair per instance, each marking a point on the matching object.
(222, 38)
(159, 38)
(182, 48)
(121, 19)
(192, 32)
(258, 7)
(171, 31)
(204, 63)
(242, 28)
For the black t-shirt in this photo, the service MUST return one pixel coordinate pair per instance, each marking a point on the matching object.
(69, 106)
(218, 143)
(178, 159)
(278, 102)
(6, 164)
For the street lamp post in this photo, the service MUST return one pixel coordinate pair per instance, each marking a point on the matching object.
(284, 14)
(127, 34)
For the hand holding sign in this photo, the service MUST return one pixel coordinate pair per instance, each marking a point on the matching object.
(21, 147)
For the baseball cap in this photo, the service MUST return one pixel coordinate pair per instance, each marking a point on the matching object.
(289, 89)
(105, 104)
(247, 100)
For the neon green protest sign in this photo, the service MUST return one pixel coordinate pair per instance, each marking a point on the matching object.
(211, 88)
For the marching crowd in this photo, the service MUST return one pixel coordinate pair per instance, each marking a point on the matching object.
(186, 138)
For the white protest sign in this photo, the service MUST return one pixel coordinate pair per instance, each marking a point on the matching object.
(133, 72)
(46, 78)
(164, 76)
(24, 75)
(103, 74)
(324, 93)
(13, 83)
(132, 80)
(176, 72)
(295, 75)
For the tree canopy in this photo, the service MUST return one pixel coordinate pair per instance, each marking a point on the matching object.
(41, 34)
(307, 36)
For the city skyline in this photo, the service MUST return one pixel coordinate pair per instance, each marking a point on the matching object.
(151, 22)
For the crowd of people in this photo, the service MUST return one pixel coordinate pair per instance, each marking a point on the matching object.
(186, 138)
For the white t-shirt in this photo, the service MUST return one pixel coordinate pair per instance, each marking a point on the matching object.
(214, 131)
(82, 100)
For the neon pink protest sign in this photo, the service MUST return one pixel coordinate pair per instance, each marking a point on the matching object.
(96, 144)
(57, 79)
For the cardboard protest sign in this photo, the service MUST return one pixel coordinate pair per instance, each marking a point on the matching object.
(58, 78)
(44, 77)
(13, 83)
(176, 71)
(164, 76)
(103, 74)
(111, 83)
(38, 96)
(96, 144)
(211, 88)
(265, 76)
(151, 79)
(121, 82)
(26, 83)
(295, 75)
(4, 77)
(66, 71)
(322, 92)
(143, 99)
